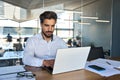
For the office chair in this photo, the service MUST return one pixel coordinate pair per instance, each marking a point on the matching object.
(4, 63)
(95, 52)
(18, 46)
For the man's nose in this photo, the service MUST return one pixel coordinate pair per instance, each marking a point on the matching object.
(50, 28)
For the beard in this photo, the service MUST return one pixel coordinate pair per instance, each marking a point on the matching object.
(48, 34)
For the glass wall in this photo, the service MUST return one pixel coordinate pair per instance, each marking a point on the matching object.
(20, 25)
(88, 22)
(95, 24)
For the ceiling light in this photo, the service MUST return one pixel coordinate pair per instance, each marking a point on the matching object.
(88, 17)
(106, 21)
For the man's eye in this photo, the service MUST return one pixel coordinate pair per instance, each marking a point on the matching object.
(46, 25)
(53, 26)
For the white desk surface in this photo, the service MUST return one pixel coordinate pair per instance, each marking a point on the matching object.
(12, 55)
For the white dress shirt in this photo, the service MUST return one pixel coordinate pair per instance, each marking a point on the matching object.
(37, 49)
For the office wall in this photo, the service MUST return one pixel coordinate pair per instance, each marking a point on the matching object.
(97, 33)
(115, 49)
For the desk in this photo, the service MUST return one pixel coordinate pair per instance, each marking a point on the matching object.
(115, 58)
(114, 77)
(12, 55)
(73, 75)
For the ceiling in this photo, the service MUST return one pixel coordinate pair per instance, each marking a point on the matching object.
(33, 4)
(72, 5)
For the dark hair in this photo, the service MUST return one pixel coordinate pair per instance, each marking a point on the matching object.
(48, 15)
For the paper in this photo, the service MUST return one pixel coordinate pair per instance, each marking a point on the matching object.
(109, 65)
(11, 69)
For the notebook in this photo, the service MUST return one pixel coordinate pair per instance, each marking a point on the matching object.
(69, 59)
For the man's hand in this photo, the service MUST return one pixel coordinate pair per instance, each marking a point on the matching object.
(48, 63)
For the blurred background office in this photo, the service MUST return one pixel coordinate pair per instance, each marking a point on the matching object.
(92, 23)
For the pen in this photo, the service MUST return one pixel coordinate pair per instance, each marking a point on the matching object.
(117, 68)
(108, 63)
(113, 67)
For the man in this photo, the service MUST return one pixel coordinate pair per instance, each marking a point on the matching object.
(41, 49)
(9, 38)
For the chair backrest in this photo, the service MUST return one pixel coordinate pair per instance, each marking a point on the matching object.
(96, 52)
(4, 63)
(18, 46)
(25, 39)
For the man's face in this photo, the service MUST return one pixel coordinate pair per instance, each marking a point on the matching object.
(48, 27)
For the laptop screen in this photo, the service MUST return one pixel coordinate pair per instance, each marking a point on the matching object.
(70, 59)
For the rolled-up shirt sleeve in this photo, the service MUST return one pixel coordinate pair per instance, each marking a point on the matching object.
(29, 56)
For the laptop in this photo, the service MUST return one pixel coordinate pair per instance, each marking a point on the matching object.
(69, 59)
